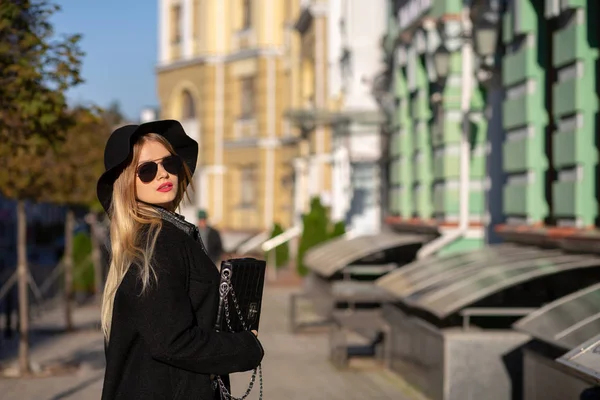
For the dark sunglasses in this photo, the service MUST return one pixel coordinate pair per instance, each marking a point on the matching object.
(148, 170)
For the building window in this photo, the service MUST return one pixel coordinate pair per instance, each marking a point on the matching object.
(247, 97)
(365, 182)
(247, 9)
(176, 24)
(248, 187)
(188, 106)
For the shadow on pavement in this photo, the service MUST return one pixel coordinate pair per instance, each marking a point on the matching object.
(79, 387)
(9, 348)
(92, 326)
(94, 359)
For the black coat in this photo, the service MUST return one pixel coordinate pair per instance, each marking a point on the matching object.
(163, 344)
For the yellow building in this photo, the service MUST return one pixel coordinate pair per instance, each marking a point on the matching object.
(310, 109)
(227, 72)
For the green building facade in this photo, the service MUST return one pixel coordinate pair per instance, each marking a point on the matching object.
(532, 122)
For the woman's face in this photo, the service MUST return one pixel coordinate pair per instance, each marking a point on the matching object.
(161, 190)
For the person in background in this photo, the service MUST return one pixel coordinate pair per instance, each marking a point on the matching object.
(210, 237)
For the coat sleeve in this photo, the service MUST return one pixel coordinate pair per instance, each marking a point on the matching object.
(165, 320)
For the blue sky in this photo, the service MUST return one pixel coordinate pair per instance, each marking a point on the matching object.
(120, 41)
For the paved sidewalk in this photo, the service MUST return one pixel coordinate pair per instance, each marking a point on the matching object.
(84, 346)
(295, 366)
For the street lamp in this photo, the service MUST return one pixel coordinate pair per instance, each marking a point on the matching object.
(441, 61)
(485, 38)
(450, 41)
(433, 42)
(486, 18)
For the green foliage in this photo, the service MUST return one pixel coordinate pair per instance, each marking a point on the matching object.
(339, 229)
(79, 160)
(113, 114)
(281, 252)
(83, 267)
(316, 230)
(37, 69)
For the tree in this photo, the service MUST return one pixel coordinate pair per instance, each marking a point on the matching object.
(83, 270)
(315, 230)
(110, 118)
(339, 229)
(36, 69)
(78, 161)
(281, 252)
(113, 114)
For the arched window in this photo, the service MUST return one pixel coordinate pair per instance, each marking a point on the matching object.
(188, 106)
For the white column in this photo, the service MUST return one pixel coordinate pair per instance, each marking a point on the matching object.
(220, 22)
(219, 169)
(320, 99)
(163, 32)
(313, 173)
(336, 187)
(219, 130)
(187, 20)
(341, 177)
(268, 8)
(270, 150)
(203, 187)
(300, 189)
(334, 45)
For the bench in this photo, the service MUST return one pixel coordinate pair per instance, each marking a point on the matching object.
(325, 297)
(368, 326)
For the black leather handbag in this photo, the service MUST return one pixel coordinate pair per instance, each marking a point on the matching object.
(241, 293)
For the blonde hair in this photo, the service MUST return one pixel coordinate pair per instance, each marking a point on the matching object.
(134, 229)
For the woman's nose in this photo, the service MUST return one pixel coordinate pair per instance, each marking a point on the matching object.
(162, 172)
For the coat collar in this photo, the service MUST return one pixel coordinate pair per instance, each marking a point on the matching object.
(179, 221)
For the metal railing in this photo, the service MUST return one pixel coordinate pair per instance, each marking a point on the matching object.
(252, 243)
(282, 238)
(43, 294)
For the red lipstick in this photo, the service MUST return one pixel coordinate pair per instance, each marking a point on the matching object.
(165, 187)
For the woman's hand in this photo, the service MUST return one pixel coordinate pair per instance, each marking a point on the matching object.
(255, 332)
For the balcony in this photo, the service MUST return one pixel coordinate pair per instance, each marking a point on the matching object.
(245, 128)
(243, 39)
(289, 132)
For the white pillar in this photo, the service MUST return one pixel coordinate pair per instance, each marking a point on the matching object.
(300, 189)
(163, 32)
(187, 21)
(270, 149)
(340, 184)
(219, 131)
(218, 167)
(319, 98)
(203, 187)
(336, 186)
(268, 8)
(220, 21)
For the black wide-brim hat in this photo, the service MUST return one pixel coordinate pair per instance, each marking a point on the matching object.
(119, 151)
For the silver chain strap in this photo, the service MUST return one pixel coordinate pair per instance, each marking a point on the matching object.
(224, 290)
(227, 289)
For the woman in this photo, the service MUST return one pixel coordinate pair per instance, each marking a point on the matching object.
(161, 295)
